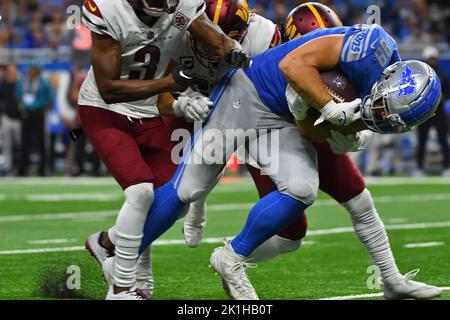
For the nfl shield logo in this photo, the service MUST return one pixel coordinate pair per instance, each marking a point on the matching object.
(150, 35)
(237, 104)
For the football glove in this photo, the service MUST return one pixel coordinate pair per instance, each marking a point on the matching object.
(297, 106)
(192, 108)
(341, 144)
(237, 59)
(340, 114)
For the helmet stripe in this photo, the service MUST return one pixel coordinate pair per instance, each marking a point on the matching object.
(316, 14)
(217, 12)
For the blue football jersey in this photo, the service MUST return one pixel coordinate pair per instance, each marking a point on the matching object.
(366, 52)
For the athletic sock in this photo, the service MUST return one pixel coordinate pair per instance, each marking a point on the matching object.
(269, 215)
(371, 232)
(129, 231)
(273, 247)
(164, 212)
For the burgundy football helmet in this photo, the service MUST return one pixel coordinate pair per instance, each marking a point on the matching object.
(308, 17)
(155, 7)
(232, 16)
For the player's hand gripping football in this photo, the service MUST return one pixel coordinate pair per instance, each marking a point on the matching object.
(192, 108)
(340, 114)
(341, 144)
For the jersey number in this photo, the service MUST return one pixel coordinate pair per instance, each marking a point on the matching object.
(150, 55)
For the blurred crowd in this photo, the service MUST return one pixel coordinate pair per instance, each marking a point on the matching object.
(43, 63)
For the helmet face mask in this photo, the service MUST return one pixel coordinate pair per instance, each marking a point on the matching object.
(407, 95)
(155, 8)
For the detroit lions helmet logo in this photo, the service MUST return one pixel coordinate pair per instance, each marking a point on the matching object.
(408, 85)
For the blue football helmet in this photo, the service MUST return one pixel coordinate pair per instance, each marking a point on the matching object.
(406, 96)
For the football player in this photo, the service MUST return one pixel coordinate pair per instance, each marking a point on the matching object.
(338, 177)
(119, 109)
(398, 96)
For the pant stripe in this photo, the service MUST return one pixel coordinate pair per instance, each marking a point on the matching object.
(215, 96)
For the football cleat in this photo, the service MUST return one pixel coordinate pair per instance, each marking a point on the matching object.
(232, 268)
(96, 250)
(132, 294)
(144, 273)
(408, 289)
(194, 227)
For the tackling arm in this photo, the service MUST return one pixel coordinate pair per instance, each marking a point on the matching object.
(209, 33)
(106, 62)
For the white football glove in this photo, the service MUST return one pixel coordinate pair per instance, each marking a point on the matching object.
(297, 105)
(340, 114)
(341, 143)
(192, 108)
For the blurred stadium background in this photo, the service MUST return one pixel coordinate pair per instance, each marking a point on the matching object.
(44, 222)
(35, 38)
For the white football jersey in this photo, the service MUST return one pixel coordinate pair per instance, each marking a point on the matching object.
(146, 51)
(262, 34)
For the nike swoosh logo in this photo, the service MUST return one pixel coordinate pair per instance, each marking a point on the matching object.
(91, 6)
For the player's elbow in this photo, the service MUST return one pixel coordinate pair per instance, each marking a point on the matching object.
(108, 93)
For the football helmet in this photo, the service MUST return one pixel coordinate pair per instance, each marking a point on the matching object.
(155, 8)
(407, 95)
(308, 17)
(232, 16)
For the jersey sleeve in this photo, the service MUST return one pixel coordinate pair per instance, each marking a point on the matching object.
(364, 42)
(93, 19)
(276, 39)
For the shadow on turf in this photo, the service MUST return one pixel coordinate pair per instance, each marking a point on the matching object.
(54, 284)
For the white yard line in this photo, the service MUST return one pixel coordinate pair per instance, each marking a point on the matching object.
(423, 245)
(219, 207)
(57, 216)
(362, 296)
(444, 224)
(107, 181)
(51, 241)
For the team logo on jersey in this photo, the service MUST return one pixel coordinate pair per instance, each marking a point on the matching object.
(408, 85)
(150, 35)
(236, 104)
(180, 21)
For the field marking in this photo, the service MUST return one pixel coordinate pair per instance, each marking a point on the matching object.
(51, 241)
(368, 295)
(219, 207)
(423, 245)
(443, 224)
(56, 197)
(246, 182)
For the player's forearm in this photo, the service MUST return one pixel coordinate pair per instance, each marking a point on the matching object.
(322, 132)
(165, 104)
(307, 83)
(209, 33)
(117, 91)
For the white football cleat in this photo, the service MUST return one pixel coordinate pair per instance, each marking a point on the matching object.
(194, 225)
(132, 294)
(92, 245)
(232, 268)
(144, 273)
(405, 288)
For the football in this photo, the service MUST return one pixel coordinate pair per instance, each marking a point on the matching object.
(339, 86)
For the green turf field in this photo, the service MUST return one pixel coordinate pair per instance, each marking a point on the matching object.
(44, 223)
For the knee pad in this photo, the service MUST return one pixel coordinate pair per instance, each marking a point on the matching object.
(302, 190)
(140, 196)
(191, 194)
